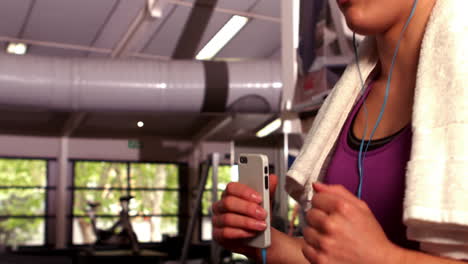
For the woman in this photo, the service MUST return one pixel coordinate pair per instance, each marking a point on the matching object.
(340, 227)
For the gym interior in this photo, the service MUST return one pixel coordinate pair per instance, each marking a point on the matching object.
(122, 121)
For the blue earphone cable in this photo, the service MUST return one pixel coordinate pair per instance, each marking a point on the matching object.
(362, 152)
(361, 174)
(264, 255)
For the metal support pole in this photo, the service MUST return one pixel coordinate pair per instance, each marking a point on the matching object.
(213, 161)
(232, 153)
(214, 198)
(61, 232)
(281, 195)
(195, 213)
(290, 15)
(61, 206)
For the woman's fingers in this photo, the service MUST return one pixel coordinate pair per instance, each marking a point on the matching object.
(311, 254)
(237, 216)
(320, 242)
(232, 204)
(322, 222)
(238, 221)
(229, 233)
(242, 191)
(315, 246)
(312, 237)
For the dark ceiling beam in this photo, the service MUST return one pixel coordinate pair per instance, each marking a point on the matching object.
(27, 19)
(213, 127)
(216, 125)
(73, 122)
(215, 73)
(194, 29)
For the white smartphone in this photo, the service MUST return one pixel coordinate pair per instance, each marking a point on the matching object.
(253, 172)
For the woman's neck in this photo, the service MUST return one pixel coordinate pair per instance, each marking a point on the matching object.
(404, 73)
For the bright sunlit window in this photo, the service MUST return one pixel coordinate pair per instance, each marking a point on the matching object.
(154, 211)
(226, 174)
(23, 191)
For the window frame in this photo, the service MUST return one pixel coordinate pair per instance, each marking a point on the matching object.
(71, 188)
(201, 216)
(47, 216)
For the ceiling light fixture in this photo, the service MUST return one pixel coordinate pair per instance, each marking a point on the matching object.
(217, 43)
(270, 128)
(17, 48)
(140, 124)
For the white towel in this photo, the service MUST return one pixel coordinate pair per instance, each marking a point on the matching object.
(436, 195)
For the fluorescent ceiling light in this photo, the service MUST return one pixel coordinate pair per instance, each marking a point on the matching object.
(230, 29)
(270, 128)
(17, 48)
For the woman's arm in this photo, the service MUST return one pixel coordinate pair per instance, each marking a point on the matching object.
(284, 249)
(411, 256)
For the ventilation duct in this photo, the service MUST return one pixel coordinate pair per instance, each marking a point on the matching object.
(93, 84)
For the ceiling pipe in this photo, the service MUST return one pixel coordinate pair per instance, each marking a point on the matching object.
(97, 84)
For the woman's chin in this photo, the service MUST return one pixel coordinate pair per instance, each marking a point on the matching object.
(365, 29)
(362, 22)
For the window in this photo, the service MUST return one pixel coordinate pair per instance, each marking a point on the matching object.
(154, 209)
(23, 191)
(226, 174)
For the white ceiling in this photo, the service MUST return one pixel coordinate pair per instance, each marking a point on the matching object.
(86, 24)
(103, 23)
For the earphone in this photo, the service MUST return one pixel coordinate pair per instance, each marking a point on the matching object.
(362, 150)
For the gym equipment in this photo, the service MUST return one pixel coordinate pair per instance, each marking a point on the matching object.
(123, 238)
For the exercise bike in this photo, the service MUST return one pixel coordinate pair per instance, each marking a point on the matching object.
(121, 234)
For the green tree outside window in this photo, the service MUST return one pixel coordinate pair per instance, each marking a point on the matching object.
(23, 185)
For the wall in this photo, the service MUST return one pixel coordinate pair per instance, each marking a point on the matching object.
(86, 148)
(117, 149)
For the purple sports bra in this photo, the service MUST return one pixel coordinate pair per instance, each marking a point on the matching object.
(384, 176)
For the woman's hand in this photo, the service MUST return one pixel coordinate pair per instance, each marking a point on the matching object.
(238, 215)
(341, 229)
